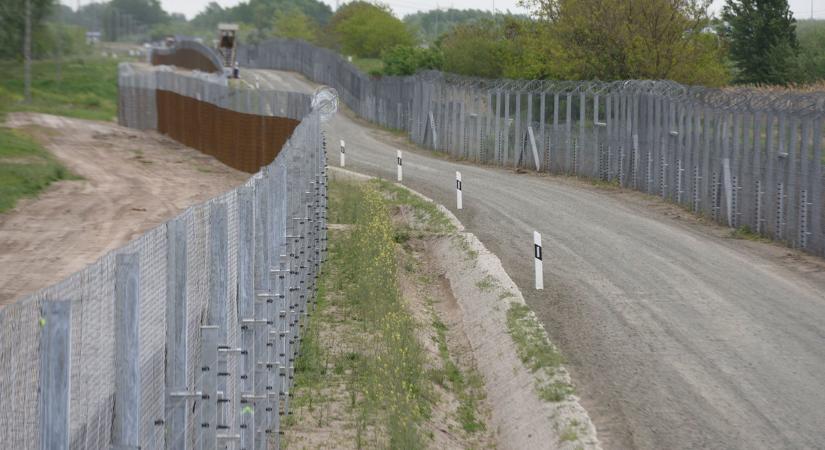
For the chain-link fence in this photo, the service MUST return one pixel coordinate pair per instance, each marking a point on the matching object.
(186, 336)
(741, 156)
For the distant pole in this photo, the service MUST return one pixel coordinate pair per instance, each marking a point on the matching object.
(400, 175)
(59, 43)
(27, 54)
(537, 256)
(458, 200)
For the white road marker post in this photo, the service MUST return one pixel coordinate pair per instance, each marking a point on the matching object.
(458, 199)
(398, 161)
(343, 153)
(537, 257)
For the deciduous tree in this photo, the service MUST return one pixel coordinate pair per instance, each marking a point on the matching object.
(366, 30)
(763, 40)
(620, 39)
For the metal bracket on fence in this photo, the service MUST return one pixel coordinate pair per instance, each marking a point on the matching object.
(533, 147)
(433, 131)
(186, 395)
(728, 189)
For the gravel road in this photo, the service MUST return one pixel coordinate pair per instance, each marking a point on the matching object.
(677, 335)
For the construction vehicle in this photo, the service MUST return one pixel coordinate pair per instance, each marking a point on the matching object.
(227, 42)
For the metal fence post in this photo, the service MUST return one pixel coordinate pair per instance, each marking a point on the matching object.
(246, 305)
(55, 374)
(175, 408)
(126, 421)
(218, 300)
(209, 388)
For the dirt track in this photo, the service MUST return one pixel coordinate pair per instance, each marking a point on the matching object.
(132, 181)
(677, 335)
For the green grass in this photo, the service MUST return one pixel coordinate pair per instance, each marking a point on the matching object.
(531, 343)
(87, 89)
(426, 212)
(536, 352)
(487, 284)
(375, 354)
(467, 387)
(26, 168)
(372, 66)
(569, 434)
(344, 202)
(745, 232)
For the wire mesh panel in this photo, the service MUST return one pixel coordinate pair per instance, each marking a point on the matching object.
(204, 281)
(743, 156)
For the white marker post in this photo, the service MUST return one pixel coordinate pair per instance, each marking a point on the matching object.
(343, 153)
(537, 257)
(398, 160)
(458, 199)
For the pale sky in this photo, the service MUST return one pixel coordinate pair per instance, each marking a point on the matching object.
(800, 8)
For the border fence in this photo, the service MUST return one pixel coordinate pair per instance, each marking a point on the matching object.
(188, 54)
(185, 337)
(743, 157)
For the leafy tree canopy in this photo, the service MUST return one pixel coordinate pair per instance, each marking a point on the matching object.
(12, 14)
(146, 12)
(407, 60)
(621, 39)
(430, 25)
(294, 24)
(763, 42)
(366, 30)
(811, 65)
(261, 13)
(475, 49)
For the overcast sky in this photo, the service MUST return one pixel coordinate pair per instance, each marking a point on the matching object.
(800, 8)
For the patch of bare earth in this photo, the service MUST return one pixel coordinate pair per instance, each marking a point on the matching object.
(431, 302)
(131, 181)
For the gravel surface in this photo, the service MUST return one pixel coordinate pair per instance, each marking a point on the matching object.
(677, 335)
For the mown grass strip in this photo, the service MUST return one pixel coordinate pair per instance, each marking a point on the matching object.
(26, 168)
(86, 89)
(380, 361)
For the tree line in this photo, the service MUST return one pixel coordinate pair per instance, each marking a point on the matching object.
(752, 41)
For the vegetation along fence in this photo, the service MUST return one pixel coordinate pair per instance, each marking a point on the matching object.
(741, 156)
(185, 337)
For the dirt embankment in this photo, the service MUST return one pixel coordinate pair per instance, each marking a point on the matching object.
(131, 182)
(473, 323)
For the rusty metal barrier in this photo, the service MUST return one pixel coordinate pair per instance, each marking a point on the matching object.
(242, 141)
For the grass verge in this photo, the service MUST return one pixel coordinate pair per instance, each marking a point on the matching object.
(536, 352)
(87, 88)
(26, 168)
(368, 374)
(370, 338)
(745, 232)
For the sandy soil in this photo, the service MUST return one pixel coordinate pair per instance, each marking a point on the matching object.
(132, 181)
